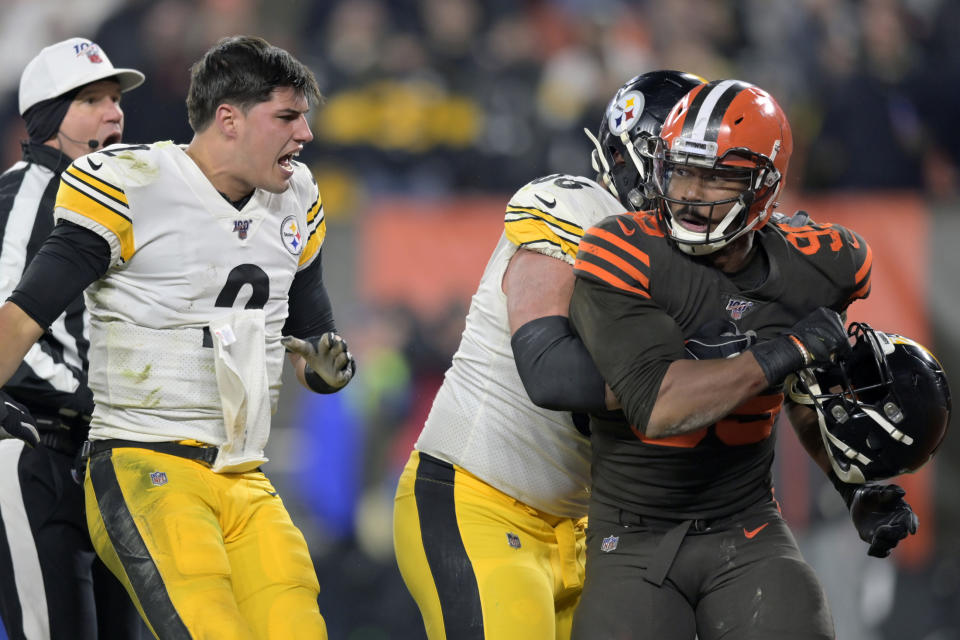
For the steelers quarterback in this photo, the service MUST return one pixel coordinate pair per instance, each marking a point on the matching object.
(489, 512)
(203, 265)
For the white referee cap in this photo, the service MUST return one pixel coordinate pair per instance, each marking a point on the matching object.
(66, 65)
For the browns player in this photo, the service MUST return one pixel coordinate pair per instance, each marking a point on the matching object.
(685, 537)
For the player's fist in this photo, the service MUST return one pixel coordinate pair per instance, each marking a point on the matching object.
(811, 342)
(820, 335)
(16, 421)
(330, 365)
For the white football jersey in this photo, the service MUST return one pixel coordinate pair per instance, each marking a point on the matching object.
(482, 419)
(182, 260)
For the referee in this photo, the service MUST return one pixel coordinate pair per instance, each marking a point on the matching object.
(52, 585)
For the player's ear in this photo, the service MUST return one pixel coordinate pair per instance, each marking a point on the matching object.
(227, 120)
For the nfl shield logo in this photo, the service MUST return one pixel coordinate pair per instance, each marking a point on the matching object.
(609, 543)
(513, 540)
(241, 227)
(158, 478)
(738, 307)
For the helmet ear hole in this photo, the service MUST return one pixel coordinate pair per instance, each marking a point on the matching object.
(875, 442)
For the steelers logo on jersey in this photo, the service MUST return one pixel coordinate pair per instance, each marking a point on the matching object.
(290, 233)
(624, 114)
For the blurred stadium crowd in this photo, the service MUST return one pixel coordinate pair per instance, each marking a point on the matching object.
(432, 101)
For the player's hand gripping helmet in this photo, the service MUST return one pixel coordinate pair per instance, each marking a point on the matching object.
(883, 408)
(737, 132)
(636, 112)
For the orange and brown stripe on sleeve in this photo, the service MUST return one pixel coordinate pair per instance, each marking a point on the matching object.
(862, 277)
(608, 258)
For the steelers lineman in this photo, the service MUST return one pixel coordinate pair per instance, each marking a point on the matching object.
(487, 517)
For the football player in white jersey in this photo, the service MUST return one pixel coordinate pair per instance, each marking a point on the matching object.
(490, 510)
(203, 264)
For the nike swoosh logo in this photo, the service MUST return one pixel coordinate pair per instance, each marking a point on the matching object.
(550, 205)
(750, 534)
(626, 230)
(94, 165)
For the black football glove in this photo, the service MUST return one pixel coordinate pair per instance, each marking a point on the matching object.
(717, 339)
(16, 421)
(880, 514)
(330, 366)
(810, 342)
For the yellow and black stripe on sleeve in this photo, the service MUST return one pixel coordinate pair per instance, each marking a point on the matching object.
(607, 257)
(316, 231)
(106, 204)
(538, 230)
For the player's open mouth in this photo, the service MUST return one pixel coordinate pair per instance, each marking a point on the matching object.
(286, 162)
(693, 222)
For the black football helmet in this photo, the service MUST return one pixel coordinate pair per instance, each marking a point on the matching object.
(636, 111)
(883, 408)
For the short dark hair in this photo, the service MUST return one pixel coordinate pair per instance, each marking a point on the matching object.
(243, 71)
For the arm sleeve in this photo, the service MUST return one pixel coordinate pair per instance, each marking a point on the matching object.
(631, 340)
(862, 257)
(310, 311)
(555, 368)
(70, 259)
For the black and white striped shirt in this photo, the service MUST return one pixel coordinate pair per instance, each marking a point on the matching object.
(52, 380)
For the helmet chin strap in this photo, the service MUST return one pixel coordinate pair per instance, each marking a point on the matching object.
(852, 474)
(628, 144)
(881, 420)
(600, 164)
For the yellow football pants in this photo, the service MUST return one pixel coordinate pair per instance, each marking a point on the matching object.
(479, 563)
(203, 555)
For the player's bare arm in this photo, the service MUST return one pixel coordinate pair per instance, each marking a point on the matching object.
(804, 421)
(536, 285)
(696, 393)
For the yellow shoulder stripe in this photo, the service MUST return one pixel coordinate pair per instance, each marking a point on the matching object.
(72, 199)
(106, 188)
(569, 227)
(529, 231)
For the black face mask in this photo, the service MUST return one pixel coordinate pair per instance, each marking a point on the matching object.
(44, 118)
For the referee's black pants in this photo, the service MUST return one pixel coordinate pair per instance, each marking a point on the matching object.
(52, 585)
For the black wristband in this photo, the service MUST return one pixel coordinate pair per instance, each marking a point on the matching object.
(845, 489)
(779, 358)
(316, 383)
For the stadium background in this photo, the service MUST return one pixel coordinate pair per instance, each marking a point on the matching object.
(437, 110)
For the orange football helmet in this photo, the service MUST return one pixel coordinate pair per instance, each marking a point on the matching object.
(735, 129)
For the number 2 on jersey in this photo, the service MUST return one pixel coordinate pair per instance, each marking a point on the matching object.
(241, 275)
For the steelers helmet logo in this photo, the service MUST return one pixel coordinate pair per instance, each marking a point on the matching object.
(290, 233)
(625, 112)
